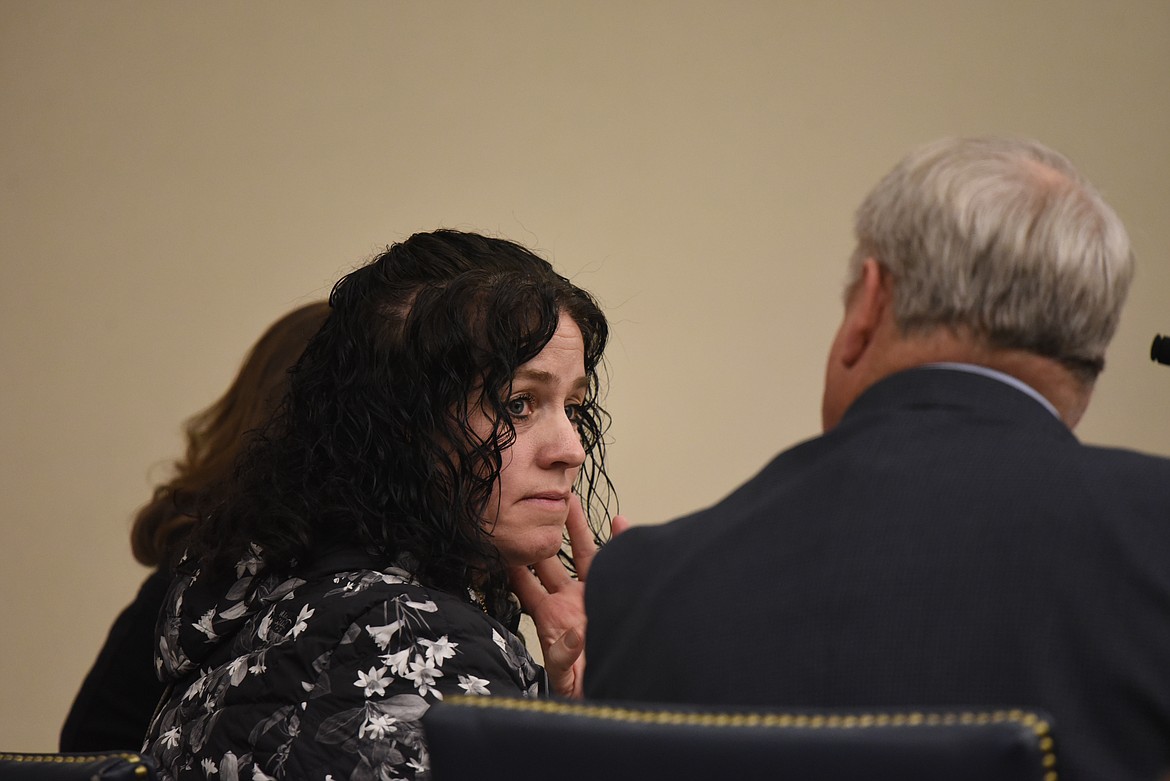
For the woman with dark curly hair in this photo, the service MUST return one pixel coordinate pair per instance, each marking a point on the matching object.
(440, 434)
(121, 690)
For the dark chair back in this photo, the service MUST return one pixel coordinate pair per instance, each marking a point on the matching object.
(487, 738)
(89, 766)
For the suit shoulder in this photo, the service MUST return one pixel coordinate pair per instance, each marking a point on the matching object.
(630, 546)
(1144, 470)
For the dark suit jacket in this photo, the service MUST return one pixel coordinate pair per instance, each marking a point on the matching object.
(119, 695)
(949, 543)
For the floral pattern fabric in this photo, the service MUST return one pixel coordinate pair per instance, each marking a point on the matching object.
(321, 677)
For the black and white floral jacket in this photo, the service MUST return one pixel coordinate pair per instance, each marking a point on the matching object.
(322, 677)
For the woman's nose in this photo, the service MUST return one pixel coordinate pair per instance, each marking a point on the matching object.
(564, 444)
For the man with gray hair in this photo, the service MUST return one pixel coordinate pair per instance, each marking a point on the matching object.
(947, 541)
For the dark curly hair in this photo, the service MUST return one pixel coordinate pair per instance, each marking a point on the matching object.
(373, 446)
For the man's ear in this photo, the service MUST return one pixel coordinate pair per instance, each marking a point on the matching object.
(868, 302)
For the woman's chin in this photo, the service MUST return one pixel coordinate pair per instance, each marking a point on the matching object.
(532, 551)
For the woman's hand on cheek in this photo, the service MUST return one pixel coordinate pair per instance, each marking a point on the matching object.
(620, 524)
(556, 602)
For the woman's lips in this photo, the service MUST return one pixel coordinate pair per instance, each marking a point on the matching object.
(553, 500)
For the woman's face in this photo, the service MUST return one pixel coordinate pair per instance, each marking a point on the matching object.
(530, 503)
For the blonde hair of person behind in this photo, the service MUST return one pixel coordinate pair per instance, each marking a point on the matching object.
(216, 434)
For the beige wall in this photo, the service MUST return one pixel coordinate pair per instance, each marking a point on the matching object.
(174, 176)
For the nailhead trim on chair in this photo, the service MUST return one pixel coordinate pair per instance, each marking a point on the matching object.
(1040, 728)
(76, 759)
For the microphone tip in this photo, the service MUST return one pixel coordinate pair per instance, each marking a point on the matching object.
(1160, 349)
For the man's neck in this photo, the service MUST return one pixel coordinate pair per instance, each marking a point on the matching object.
(1067, 393)
(1007, 379)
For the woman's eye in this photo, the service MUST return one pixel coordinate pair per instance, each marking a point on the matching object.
(518, 407)
(573, 412)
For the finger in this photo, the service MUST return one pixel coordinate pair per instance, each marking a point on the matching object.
(560, 662)
(526, 587)
(580, 539)
(552, 574)
(620, 524)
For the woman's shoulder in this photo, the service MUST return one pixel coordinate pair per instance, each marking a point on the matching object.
(392, 615)
(406, 645)
(373, 600)
(366, 588)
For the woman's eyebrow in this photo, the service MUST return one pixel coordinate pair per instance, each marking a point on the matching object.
(548, 378)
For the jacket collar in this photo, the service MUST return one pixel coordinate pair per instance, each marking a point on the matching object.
(925, 388)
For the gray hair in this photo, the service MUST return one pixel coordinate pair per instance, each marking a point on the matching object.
(1002, 238)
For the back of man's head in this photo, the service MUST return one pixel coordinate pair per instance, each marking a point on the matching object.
(1001, 240)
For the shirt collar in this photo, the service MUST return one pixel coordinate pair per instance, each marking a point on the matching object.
(1007, 379)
